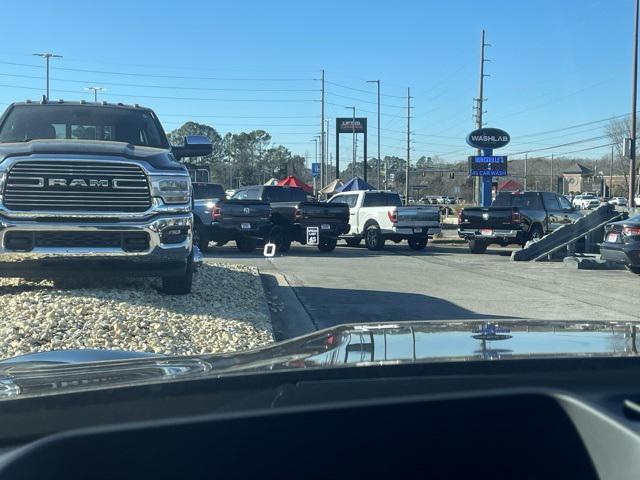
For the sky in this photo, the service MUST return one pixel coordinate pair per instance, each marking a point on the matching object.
(237, 66)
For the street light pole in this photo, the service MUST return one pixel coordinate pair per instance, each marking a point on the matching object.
(95, 91)
(377, 82)
(47, 56)
(634, 97)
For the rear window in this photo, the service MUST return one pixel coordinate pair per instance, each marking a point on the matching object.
(374, 199)
(521, 200)
(207, 190)
(284, 194)
(393, 200)
(82, 122)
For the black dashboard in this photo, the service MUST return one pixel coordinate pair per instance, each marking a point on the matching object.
(543, 418)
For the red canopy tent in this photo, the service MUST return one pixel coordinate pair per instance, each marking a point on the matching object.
(292, 181)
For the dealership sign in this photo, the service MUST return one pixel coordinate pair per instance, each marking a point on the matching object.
(487, 165)
(349, 125)
(488, 138)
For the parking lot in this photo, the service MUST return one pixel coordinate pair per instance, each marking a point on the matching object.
(311, 290)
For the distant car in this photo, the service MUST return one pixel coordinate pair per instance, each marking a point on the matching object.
(619, 201)
(591, 204)
(622, 243)
(584, 200)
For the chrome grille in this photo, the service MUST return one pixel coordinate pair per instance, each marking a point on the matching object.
(76, 186)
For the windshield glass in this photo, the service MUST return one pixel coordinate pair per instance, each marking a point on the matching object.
(81, 122)
(173, 180)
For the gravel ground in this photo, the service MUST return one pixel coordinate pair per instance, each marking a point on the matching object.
(224, 313)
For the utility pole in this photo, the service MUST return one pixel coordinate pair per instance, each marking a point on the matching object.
(353, 141)
(479, 108)
(95, 91)
(611, 174)
(377, 82)
(406, 183)
(326, 167)
(634, 97)
(47, 56)
(552, 189)
(525, 171)
(323, 172)
(315, 140)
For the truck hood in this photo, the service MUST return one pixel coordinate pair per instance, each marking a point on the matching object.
(354, 345)
(158, 158)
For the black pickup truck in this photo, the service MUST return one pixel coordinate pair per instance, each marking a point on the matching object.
(220, 220)
(514, 218)
(292, 213)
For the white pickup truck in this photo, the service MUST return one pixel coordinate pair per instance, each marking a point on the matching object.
(378, 216)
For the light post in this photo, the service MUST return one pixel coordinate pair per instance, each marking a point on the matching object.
(47, 56)
(95, 91)
(353, 140)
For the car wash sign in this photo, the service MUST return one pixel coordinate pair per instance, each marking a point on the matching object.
(488, 138)
(494, 165)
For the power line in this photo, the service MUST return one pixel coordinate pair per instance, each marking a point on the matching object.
(577, 142)
(361, 90)
(363, 101)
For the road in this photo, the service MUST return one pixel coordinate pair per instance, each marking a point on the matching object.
(443, 282)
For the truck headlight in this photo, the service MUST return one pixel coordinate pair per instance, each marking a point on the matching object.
(171, 189)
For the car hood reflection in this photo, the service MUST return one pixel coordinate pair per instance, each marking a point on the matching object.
(342, 346)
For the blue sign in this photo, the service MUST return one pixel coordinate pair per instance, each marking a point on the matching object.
(315, 169)
(488, 165)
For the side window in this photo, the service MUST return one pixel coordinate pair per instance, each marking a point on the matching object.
(375, 199)
(550, 201)
(252, 194)
(564, 203)
(531, 201)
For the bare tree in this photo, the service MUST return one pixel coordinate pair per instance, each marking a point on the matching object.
(617, 131)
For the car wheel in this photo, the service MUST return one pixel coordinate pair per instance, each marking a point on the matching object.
(536, 233)
(327, 244)
(373, 238)
(418, 243)
(246, 245)
(201, 237)
(280, 237)
(633, 269)
(179, 284)
(477, 246)
(353, 242)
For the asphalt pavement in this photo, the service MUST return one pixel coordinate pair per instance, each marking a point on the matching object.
(316, 290)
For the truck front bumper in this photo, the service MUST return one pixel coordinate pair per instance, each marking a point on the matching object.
(512, 236)
(45, 248)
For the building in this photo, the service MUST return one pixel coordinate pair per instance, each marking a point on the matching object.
(578, 178)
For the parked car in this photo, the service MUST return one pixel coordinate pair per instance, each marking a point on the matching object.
(378, 216)
(514, 218)
(622, 243)
(585, 200)
(591, 204)
(108, 197)
(292, 214)
(619, 201)
(221, 221)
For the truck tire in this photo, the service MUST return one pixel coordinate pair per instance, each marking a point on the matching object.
(201, 237)
(477, 246)
(353, 242)
(327, 244)
(418, 243)
(373, 238)
(633, 269)
(280, 237)
(536, 233)
(179, 284)
(246, 245)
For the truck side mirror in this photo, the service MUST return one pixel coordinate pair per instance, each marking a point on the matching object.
(194, 146)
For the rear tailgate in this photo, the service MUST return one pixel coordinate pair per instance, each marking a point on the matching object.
(494, 218)
(323, 212)
(245, 211)
(418, 216)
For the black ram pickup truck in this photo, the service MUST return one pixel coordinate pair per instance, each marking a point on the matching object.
(514, 217)
(292, 213)
(247, 222)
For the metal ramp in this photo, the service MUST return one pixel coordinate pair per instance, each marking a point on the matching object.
(589, 228)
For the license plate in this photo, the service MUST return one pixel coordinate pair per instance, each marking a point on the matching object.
(486, 231)
(417, 230)
(245, 226)
(612, 237)
(325, 226)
